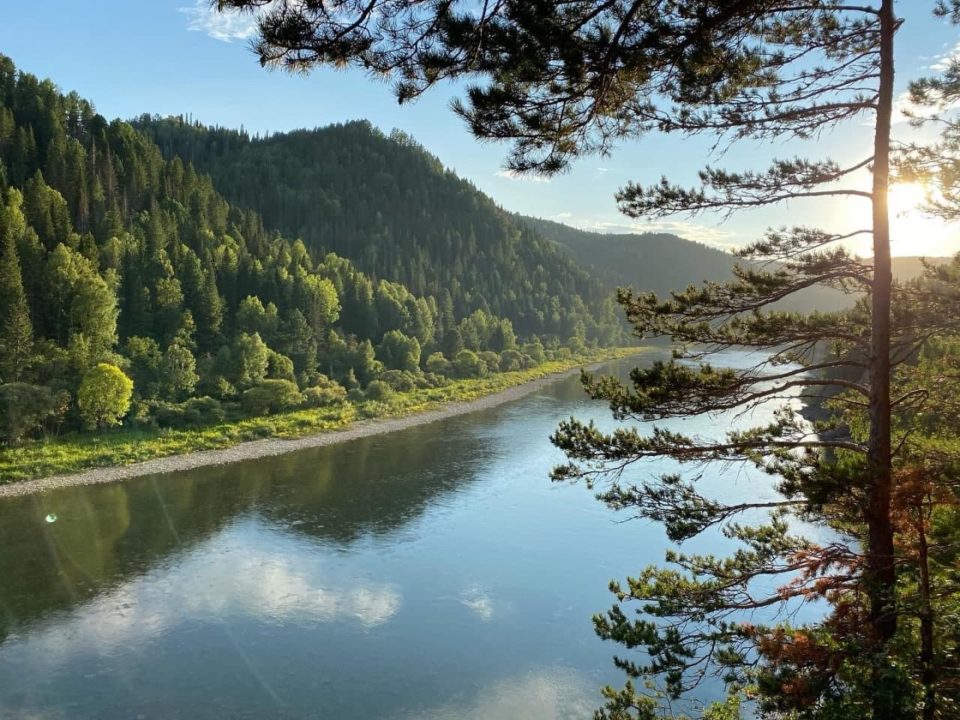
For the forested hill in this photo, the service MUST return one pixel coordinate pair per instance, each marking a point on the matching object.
(389, 206)
(663, 262)
(119, 264)
(660, 262)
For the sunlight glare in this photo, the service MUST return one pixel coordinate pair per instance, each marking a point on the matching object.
(913, 233)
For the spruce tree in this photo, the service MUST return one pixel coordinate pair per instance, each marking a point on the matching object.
(16, 341)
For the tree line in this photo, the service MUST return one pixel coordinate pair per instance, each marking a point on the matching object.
(132, 291)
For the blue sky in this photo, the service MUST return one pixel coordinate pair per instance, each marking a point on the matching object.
(173, 57)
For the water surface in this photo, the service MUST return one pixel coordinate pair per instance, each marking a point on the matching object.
(433, 572)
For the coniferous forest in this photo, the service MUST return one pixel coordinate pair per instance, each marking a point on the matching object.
(134, 292)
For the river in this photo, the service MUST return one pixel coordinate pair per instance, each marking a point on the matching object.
(430, 573)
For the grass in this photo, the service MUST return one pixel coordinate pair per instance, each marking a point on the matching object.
(124, 446)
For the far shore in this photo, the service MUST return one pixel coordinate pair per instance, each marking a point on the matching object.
(254, 449)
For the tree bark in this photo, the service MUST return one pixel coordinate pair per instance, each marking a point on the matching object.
(880, 570)
(927, 669)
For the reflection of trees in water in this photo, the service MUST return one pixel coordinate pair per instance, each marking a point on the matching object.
(106, 534)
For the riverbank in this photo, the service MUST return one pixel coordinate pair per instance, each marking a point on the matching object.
(123, 455)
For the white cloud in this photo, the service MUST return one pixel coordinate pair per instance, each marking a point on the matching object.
(226, 26)
(479, 601)
(528, 177)
(943, 61)
(723, 239)
(235, 581)
(547, 694)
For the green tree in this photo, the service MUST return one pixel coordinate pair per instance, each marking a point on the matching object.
(438, 364)
(178, 373)
(146, 360)
(399, 352)
(23, 409)
(250, 359)
(16, 338)
(467, 364)
(104, 396)
(271, 396)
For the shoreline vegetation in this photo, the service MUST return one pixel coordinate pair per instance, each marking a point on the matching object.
(86, 459)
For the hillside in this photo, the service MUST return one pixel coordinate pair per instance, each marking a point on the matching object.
(132, 290)
(660, 262)
(389, 206)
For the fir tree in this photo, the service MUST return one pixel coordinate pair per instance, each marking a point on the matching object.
(16, 341)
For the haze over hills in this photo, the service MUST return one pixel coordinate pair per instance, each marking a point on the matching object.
(660, 262)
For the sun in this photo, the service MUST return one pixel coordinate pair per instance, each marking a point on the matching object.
(912, 231)
(906, 201)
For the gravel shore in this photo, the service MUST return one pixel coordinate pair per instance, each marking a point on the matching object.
(274, 446)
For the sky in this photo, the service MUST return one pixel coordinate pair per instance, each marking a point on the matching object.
(178, 57)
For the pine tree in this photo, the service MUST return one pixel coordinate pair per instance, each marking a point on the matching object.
(16, 341)
(562, 79)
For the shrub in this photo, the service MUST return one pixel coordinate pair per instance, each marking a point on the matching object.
(379, 391)
(491, 359)
(399, 380)
(439, 365)
(271, 396)
(511, 360)
(324, 396)
(194, 413)
(23, 408)
(469, 365)
(535, 351)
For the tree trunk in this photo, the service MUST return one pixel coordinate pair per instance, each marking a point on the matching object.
(927, 669)
(880, 572)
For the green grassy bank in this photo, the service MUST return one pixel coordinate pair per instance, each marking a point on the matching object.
(124, 446)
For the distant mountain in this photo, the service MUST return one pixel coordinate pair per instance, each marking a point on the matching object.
(649, 261)
(662, 262)
(907, 268)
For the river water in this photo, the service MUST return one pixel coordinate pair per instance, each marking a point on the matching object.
(430, 573)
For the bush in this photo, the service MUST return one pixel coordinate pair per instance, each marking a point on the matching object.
(271, 396)
(535, 351)
(194, 413)
(431, 380)
(23, 408)
(439, 365)
(511, 361)
(379, 391)
(491, 359)
(469, 365)
(399, 380)
(324, 396)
